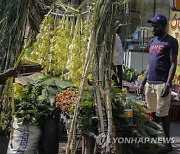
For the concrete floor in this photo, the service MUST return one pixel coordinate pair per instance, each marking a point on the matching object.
(175, 132)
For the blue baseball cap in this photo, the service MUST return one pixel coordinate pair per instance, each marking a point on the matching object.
(158, 18)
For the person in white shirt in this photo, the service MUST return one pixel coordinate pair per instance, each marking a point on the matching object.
(118, 56)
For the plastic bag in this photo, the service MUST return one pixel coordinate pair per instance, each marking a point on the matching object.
(25, 139)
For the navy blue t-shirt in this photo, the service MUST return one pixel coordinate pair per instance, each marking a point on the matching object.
(159, 58)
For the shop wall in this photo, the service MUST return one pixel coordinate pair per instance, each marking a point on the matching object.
(174, 30)
(140, 12)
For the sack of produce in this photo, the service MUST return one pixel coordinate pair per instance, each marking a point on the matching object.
(24, 139)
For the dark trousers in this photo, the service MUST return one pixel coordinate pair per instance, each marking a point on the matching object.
(117, 75)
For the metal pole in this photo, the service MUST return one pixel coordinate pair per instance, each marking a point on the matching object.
(154, 7)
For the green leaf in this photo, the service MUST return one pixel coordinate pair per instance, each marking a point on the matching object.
(63, 84)
(150, 131)
(35, 79)
(53, 90)
(48, 82)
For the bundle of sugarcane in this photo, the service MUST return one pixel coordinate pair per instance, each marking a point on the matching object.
(104, 33)
(101, 45)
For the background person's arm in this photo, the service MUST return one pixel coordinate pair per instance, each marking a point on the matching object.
(141, 89)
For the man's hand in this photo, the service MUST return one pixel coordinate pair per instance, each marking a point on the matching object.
(141, 90)
(165, 91)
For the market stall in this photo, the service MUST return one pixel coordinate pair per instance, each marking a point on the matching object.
(73, 56)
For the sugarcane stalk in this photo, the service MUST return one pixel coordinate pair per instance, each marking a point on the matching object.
(95, 148)
(98, 61)
(77, 33)
(103, 15)
(89, 56)
(102, 87)
(98, 80)
(100, 110)
(108, 110)
(108, 82)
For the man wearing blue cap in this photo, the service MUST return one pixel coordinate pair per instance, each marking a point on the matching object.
(163, 51)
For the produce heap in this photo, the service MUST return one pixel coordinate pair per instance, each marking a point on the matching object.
(66, 99)
(145, 126)
(129, 74)
(88, 120)
(36, 100)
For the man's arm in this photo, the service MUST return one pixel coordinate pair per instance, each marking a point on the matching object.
(141, 89)
(145, 75)
(172, 71)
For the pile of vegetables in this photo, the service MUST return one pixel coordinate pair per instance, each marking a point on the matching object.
(145, 126)
(87, 119)
(118, 101)
(129, 74)
(66, 99)
(25, 108)
(36, 101)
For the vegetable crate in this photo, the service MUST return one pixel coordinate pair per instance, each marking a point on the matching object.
(174, 112)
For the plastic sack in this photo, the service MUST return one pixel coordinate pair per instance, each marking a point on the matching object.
(25, 139)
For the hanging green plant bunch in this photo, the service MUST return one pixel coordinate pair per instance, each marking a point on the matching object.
(42, 45)
(61, 45)
(78, 50)
(51, 49)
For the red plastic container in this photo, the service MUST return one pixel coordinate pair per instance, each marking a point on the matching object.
(176, 87)
(149, 115)
(174, 112)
